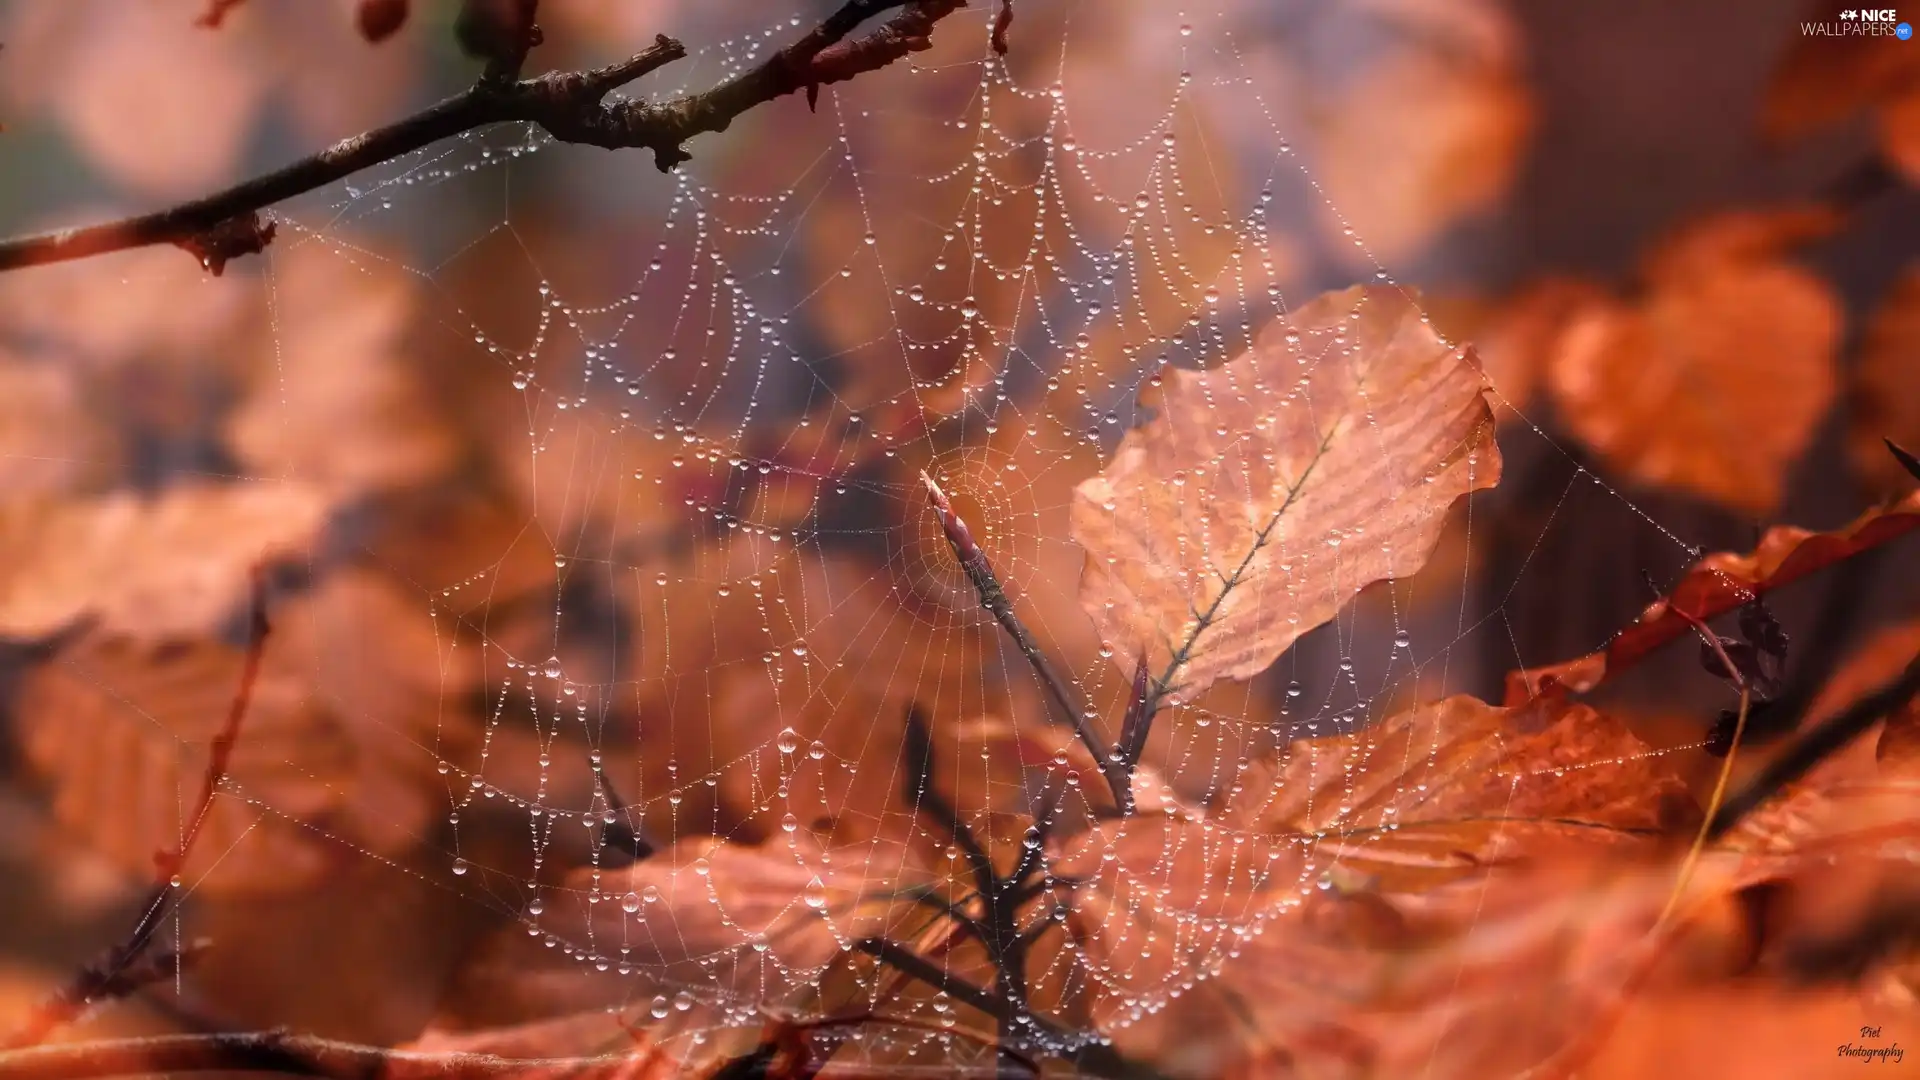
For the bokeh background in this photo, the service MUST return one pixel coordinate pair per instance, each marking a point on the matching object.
(419, 402)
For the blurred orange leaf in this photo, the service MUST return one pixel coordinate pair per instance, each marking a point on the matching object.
(167, 107)
(121, 728)
(1270, 490)
(51, 442)
(1711, 382)
(1425, 136)
(151, 567)
(346, 406)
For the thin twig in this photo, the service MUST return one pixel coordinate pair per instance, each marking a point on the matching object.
(570, 106)
(124, 968)
(986, 585)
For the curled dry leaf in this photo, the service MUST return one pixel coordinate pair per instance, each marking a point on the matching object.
(1882, 404)
(121, 730)
(172, 565)
(1714, 380)
(1270, 490)
(1714, 586)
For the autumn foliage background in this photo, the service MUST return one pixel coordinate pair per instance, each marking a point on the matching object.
(551, 463)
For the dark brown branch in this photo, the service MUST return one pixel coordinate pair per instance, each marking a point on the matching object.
(914, 966)
(986, 584)
(1096, 1058)
(570, 106)
(125, 968)
(924, 798)
(1138, 723)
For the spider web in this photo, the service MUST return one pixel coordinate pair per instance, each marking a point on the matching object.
(968, 265)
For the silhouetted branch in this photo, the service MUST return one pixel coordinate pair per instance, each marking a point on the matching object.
(569, 105)
(126, 967)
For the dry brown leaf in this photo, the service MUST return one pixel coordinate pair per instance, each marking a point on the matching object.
(1459, 784)
(1270, 490)
(121, 729)
(170, 565)
(1394, 836)
(1714, 586)
(1714, 382)
(1882, 404)
(344, 407)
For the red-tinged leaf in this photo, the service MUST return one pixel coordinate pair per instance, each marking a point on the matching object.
(1714, 586)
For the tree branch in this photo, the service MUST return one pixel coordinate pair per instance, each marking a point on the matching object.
(570, 106)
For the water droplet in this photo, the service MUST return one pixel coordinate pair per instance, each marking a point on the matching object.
(553, 667)
(630, 903)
